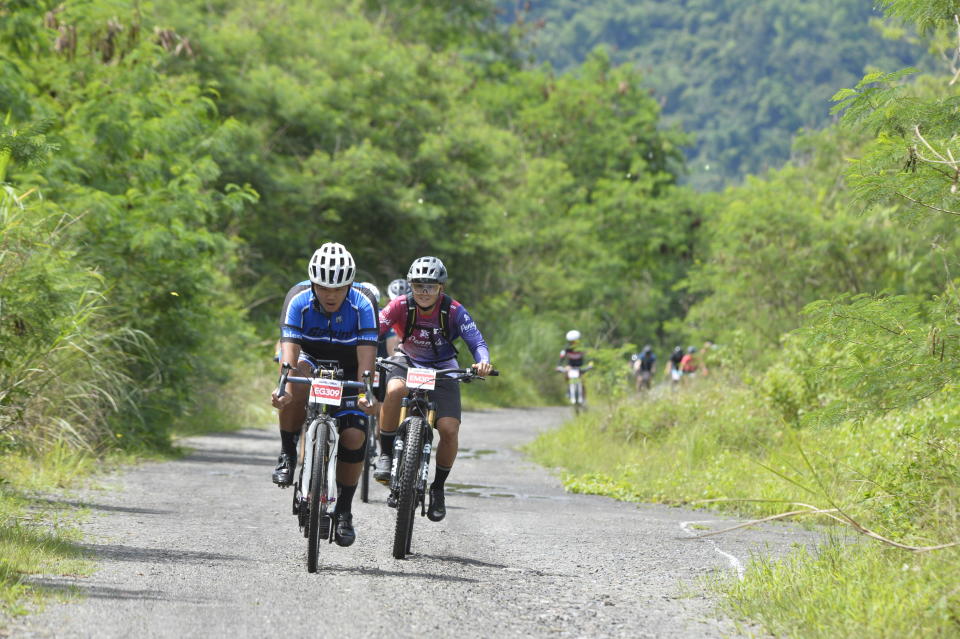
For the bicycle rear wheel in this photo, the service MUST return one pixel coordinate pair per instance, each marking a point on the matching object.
(319, 522)
(407, 499)
(367, 461)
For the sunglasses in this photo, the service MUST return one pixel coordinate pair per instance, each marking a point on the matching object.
(426, 288)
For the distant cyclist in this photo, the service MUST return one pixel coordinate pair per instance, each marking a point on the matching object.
(673, 371)
(395, 290)
(325, 318)
(373, 294)
(689, 364)
(428, 321)
(573, 357)
(644, 367)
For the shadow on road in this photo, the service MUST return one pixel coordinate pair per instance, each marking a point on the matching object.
(62, 503)
(377, 572)
(463, 561)
(216, 457)
(104, 592)
(263, 435)
(119, 552)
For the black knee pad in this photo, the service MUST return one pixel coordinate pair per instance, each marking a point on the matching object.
(350, 455)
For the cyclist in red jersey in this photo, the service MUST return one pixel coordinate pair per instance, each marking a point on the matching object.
(428, 322)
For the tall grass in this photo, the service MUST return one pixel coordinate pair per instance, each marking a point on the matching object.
(725, 445)
(62, 356)
(524, 349)
(62, 379)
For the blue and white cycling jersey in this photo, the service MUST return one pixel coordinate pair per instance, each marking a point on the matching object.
(333, 336)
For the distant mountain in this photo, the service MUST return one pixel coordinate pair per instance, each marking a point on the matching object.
(741, 75)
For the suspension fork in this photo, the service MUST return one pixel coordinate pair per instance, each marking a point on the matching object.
(333, 438)
(309, 442)
(427, 444)
(398, 445)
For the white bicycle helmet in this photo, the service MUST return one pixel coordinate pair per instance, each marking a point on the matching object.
(573, 336)
(370, 286)
(427, 269)
(332, 266)
(398, 288)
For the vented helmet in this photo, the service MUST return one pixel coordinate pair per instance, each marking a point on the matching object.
(332, 266)
(370, 286)
(398, 288)
(427, 269)
(573, 336)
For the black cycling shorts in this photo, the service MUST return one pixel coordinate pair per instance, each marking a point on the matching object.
(446, 394)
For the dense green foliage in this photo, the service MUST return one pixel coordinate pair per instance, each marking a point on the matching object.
(201, 151)
(743, 76)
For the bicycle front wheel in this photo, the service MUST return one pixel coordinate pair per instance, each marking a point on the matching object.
(407, 497)
(319, 522)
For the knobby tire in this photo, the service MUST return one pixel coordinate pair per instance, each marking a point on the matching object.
(318, 489)
(365, 475)
(409, 475)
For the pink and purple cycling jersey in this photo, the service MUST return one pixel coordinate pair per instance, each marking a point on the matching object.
(427, 345)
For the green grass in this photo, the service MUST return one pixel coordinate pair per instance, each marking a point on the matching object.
(37, 535)
(243, 401)
(721, 445)
(851, 590)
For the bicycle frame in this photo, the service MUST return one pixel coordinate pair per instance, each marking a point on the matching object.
(314, 506)
(408, 476)
(574, 377)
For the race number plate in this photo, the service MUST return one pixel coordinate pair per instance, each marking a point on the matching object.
(425, 378)
(325, 391)
(573, 373)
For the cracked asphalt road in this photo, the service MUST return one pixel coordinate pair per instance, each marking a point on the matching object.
(206, 546)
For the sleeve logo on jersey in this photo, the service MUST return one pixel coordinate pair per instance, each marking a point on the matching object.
(326, 391)
(423, 378)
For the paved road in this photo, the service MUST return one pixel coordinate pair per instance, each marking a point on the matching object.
(206, 546)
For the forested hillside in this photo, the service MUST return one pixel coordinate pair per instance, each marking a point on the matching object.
(743, 76)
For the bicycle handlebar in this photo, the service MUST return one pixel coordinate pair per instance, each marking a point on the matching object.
(285, 377)
(467, 373)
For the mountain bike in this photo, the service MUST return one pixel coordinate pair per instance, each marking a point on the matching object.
(315, 489)
(575, 393)
(414, 443)
(369, 458)
(373, 433)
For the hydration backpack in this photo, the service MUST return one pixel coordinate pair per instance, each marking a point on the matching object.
(445, 303)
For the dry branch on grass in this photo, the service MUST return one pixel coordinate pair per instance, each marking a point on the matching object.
(807, 509)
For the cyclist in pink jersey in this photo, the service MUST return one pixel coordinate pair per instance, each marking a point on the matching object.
(427, 322)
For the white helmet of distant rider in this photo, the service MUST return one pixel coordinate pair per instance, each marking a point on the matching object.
(398, 288)
(427, 270)
(332, 266)
(573, 335)
(372, 288)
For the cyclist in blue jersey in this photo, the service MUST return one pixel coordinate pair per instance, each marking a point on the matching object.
(428, 321)
(325, 318)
